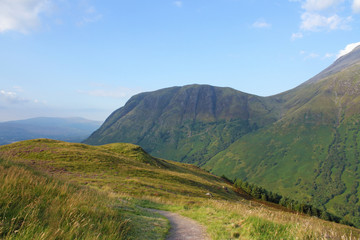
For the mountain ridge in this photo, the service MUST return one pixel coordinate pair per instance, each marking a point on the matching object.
(180, 113)
(302, 142)
(74, 129)
(341, 63)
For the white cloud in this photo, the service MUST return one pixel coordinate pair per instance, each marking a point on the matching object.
(325, 15)
(90, 14)
(356, 6)
(295, 36)
(7, 94)
(312, 55)
(317, 22)
(178, 3)
(11, 97)
(261, 23)
(329, 55)
(309, 55)
(348, 49)
(22, 15)
(319, 5)
(90, 19)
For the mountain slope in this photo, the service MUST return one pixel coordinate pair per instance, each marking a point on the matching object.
(312, 153)
(340, 64)
(113, 163)
(301, 143)
(66, 129)
(54, 172)
(189, 124)
(34, 206)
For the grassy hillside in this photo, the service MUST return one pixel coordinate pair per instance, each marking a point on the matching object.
(105, 184)
(122, 167)
(188, 124)
(36, 206)
(301, 143)
(312, 153)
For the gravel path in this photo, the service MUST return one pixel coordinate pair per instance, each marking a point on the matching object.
(183, 228)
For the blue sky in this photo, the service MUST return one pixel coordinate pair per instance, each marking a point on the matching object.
(86, 58)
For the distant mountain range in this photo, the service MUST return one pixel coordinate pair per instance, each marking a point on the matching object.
(302, 143)
(65, 129)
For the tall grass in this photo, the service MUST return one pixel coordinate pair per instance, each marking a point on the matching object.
(33, 206)
(253, 220)
(59, 210)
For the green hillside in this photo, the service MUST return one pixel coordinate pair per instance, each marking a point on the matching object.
(105, 166)
(312, 153)
(58, 190)
(301, 143)
(188, 124)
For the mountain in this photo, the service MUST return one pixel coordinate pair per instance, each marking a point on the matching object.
(189, 124)
(312, 152)
(301, 143)
(66, 129)
(340, 64)
(58, 190)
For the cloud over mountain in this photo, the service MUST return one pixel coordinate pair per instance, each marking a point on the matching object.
(348, 49)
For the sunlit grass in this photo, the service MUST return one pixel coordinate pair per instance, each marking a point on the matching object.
(36, 207)
(115, 179)
(253, 220)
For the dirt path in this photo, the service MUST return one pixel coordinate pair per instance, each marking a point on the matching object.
(183, 228)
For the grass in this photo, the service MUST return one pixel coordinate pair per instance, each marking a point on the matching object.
(35, 206)
(123, 168)
(301, 143)
(104, 185)
(253, 220)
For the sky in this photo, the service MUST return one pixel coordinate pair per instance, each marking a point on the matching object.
(86, 58)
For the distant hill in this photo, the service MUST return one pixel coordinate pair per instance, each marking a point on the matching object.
(302, 143)
(66, 129)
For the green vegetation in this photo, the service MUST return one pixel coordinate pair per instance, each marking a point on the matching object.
(302, 143)
(312, 164)
(187, 124)
(246, 219)
(35, 206)
(264, 195)
(103, 186)
(123, 168)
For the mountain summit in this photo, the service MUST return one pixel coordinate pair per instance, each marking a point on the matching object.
(301, 143)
